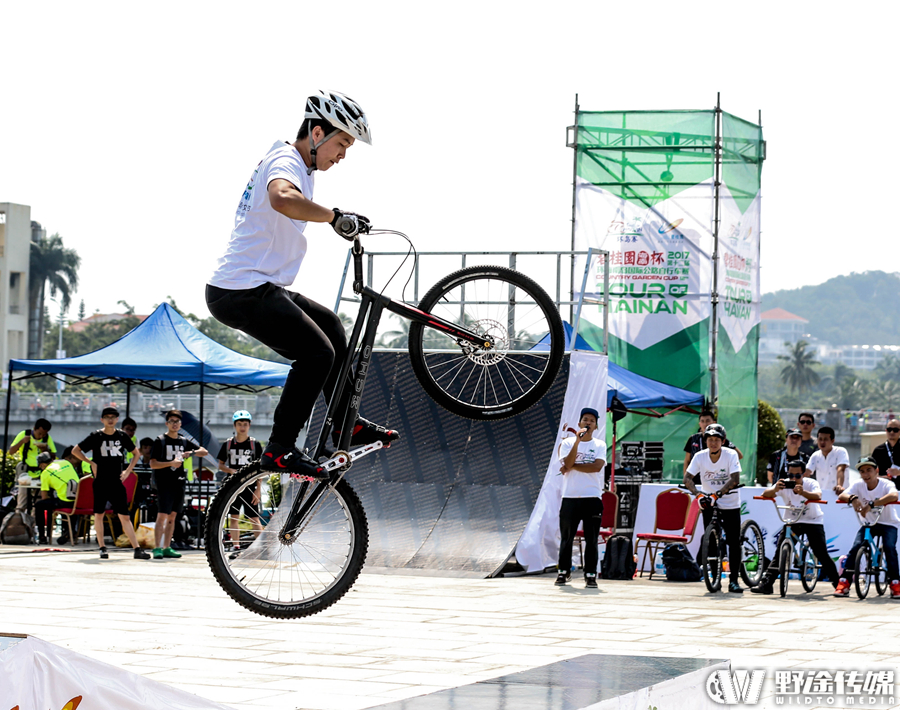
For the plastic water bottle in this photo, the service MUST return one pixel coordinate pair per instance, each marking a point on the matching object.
(658, 566)
(726, 567)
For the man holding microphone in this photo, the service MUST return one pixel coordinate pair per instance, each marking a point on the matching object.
(582, 458)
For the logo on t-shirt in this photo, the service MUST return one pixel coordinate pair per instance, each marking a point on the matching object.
(111, 448)
(173, 451)
(239, 457)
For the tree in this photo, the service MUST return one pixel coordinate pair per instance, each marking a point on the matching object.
(396, 338)
(81, 311)
(889, 367)
(50, 263)
(769, 437)
(852, 393)
(799, 373)
(887, 394)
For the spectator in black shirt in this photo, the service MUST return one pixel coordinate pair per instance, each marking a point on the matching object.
(808, 443)
(777, 466)
(237, 452)
(697, 442)
(887, 455)
(144, 473)
(109, 446)
(167, 460)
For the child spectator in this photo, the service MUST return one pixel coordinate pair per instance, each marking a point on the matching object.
(237, 452)
(58, 480)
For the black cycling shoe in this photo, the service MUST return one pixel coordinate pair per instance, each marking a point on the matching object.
(590, 581)
(366, 432)
(763, 588)
(561, 579)
(104, 555)
(291, 460)
(735, 588)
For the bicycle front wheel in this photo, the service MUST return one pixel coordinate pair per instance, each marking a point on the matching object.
(809, 568)
(277, 575)
(520, 320)
(711, 560)
(785, 563)
(863, 577)
(753, 553)
(880, 571)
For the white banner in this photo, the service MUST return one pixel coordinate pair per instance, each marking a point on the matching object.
(660, 266)
(538, 547)
(738, 279)
(36, 675)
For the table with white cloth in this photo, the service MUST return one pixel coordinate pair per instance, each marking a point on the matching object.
(841, 522)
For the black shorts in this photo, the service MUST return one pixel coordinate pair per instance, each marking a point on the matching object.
(170, 496)
(245, 500)
(110, 489)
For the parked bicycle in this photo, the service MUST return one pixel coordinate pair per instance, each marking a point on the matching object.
(870, 563)
(485, 343)
(795, 547)
(713, 548)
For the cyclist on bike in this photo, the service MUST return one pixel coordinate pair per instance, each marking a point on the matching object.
(863, 495)
(720, 471)
(795, 490)
(248, 288)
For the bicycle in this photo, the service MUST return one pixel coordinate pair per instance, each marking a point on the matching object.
(795, 547)
(713, 550)
(870, 562)
(485, 343)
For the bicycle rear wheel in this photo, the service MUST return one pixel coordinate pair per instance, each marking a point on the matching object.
(863, 577)
(520, 320)
(785, 560)
(753, 553)
(809, 568)
(279, 576)
(880, 571)
(711, 559)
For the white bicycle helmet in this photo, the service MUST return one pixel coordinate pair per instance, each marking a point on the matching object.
(242, 414)
(342, 112)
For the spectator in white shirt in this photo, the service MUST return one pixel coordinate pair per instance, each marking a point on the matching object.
(829, 464)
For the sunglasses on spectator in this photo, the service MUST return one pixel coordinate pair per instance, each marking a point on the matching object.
(892, 429)
(807, 421)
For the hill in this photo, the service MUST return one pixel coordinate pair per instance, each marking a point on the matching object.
(854, 309)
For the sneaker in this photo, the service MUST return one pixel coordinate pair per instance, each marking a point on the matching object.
(366, 432)
(590, 581)
(139, 554)
(42, 540)
(169, 552)
(104, 555)
(562, 578)
(763, 588)
(282, 459)
(843, 588)
(735, 588)
(62, 540)
(157, 553)
(895, 589)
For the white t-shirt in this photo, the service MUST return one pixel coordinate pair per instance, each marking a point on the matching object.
(882, 488)
(826, 468)
(265, 245)
(581, 484)
(713, 476)
(811, 513)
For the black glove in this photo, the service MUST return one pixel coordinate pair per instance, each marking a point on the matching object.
(704, 502)
(349, 224)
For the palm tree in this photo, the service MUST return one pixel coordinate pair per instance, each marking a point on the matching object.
(799, 373)
(889, 367)
(49, 263)
(852, 393)
(887, 394)
(396, 338)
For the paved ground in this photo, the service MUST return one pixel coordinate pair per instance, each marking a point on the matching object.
(397, 636)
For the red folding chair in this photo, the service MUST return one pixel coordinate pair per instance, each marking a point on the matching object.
(82, 505)
(608, 522)
(674, 510)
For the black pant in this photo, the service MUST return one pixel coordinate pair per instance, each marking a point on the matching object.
(731, 526)
(815, 534)
(296, 328)
(573, 511)
(45, 507)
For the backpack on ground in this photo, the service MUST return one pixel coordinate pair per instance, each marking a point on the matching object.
(618, 560)
(680, 565)
(17, 529)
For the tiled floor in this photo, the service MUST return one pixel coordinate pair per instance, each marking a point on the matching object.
(398, 636)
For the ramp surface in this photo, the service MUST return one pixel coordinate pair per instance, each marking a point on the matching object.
(453, 494)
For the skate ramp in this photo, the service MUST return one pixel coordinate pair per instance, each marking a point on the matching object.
(453, 494)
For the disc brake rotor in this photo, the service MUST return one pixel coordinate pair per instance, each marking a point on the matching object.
(500, 335)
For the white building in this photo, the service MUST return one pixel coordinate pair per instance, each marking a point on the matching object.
(15, 247)
(777, 327)
(858, 357)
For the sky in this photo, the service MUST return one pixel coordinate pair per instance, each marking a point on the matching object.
(131, 129)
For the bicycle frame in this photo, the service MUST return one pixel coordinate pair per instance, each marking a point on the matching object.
(372, 305)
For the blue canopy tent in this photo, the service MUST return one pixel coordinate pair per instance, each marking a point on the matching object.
(164, 348)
